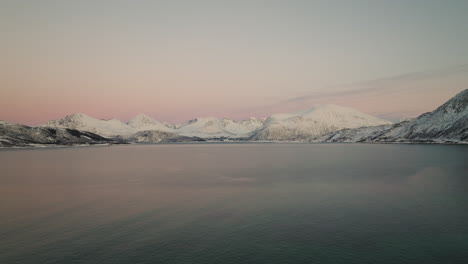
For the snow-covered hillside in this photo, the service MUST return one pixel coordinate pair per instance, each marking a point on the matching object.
(447, 123)
(314, 122)
(103, 127)
(211, 127)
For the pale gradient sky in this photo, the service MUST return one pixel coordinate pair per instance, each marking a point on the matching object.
(177, 60)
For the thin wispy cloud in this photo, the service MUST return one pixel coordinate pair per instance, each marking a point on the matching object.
(382, 85)
(178, 60)
(393, 98)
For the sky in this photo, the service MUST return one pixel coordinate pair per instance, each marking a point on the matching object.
(178, 60)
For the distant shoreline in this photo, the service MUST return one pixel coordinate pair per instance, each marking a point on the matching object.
(55, 146)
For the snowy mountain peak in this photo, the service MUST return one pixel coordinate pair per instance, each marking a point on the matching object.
(72, 120)
(143, 122)
(78, 115)
(456, 104)
(212, 127)
(84, 122)
(331, 114)
(142, 119)
(314, 122)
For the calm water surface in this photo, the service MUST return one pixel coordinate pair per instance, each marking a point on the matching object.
(235, 203)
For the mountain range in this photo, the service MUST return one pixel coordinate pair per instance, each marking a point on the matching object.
(207, 127)
(322, 123)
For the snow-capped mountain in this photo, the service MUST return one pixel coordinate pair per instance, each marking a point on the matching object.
(211, 127)
(103, 127)
(143, 122)
(314, 122)
(447, 123)
(20, 135)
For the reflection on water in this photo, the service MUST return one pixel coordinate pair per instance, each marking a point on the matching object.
(228, 203)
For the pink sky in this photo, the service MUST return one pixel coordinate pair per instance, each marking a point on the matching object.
(408, 98)
(236, 59)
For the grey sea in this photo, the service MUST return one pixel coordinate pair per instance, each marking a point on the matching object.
(235, 203)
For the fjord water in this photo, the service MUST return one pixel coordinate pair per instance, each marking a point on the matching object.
(235, 203)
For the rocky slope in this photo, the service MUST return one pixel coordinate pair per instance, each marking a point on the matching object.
(12, 135)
